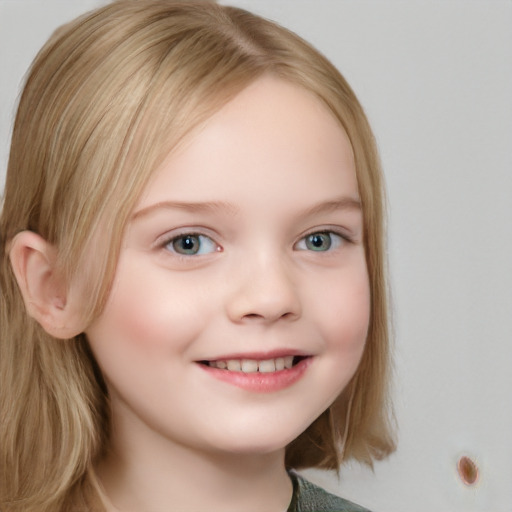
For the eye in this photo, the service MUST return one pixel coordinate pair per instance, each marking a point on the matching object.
(320, 241)
(192, 245)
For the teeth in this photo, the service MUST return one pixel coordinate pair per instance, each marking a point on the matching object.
(249, 365)
(234, 365)
(288, 361)
(253, 366)
(267, 366)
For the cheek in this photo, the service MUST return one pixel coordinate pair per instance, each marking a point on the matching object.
(346, 315)
(146, 317)
(128, 319)
(340, 310)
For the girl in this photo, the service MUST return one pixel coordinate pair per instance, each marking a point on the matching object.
(193, 301)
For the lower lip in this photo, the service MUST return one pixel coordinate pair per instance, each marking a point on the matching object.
(261, 382)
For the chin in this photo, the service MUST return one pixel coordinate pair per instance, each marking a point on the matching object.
(259, 442)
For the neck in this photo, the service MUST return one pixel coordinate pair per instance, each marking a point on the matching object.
(157, 476)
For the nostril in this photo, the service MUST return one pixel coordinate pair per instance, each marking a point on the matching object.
(257, 316)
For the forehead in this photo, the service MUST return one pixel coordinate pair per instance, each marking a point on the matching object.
(271, 131)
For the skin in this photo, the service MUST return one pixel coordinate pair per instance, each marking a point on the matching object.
(273, 166)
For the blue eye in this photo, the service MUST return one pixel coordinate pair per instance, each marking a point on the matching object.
(320, 241)
(192, 245)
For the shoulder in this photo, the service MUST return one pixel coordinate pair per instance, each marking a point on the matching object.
(308, 497)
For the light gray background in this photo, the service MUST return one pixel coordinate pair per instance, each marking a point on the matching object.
(435, 78)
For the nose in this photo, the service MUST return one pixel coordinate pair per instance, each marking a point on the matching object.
(263, 290)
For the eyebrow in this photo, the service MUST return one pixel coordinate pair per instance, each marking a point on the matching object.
(342, 203)
(203, 207)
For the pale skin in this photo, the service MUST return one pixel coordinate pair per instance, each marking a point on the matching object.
(246, 245)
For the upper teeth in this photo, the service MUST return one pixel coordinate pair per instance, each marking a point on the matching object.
(253, 365)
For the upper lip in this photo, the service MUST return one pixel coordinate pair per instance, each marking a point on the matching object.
(258, 355)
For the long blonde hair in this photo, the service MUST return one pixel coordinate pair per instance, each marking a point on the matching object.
(106, 99)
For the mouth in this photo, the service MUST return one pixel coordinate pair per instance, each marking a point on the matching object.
(242, 365)
(258, 373)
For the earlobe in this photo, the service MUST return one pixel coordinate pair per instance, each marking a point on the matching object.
(44, 292)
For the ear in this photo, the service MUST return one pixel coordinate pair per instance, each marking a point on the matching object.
(44, 292)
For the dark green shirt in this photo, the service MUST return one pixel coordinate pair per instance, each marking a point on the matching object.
(308, 497)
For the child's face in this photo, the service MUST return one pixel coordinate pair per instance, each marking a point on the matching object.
(246, 246)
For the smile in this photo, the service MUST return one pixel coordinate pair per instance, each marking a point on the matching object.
(258, 375)
(255, 366)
